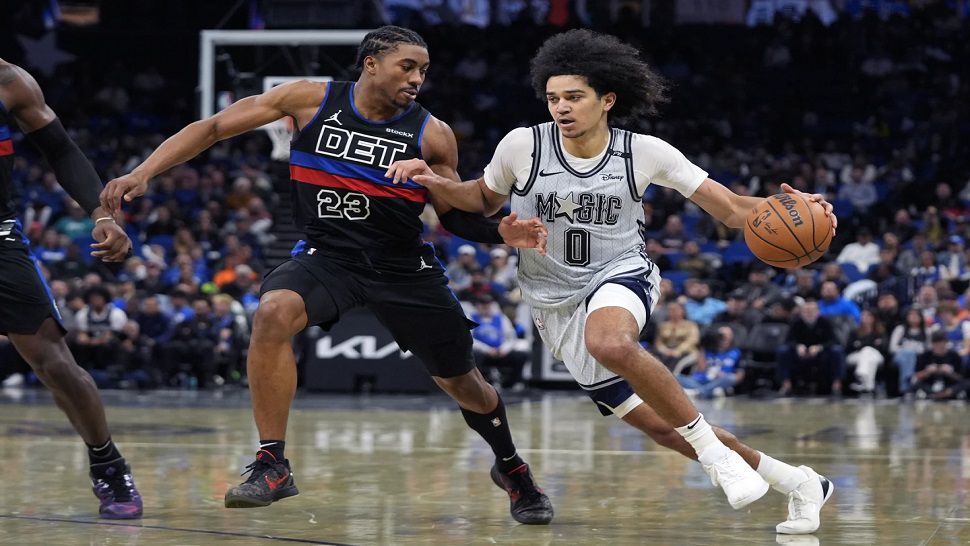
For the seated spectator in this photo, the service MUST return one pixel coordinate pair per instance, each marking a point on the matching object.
(952, 261)
(887, 311)
(673, 235)
(155, 324)
(957, 330)
(135, 363)
(232, 333)
(73, 266)
(717, 371)
(700, 306)
(697, 264)
(926, 271)
(52, 247)
(737, 311)
(191, 349)
(865, 350)
(832, 271)
(98, 324)
(677, 339)
(495, 345)
(77, 224)
(805, 286)
(481, 286)
(810, 353)
(937, 370)
(501, 270)
(459, 270)
(907, 341)
(862, 253)
(833, 304)
(759, 288)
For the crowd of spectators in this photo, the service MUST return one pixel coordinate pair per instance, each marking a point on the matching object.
(867, 111)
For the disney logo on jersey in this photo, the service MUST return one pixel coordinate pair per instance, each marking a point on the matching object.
(586, 208)
(366, 149)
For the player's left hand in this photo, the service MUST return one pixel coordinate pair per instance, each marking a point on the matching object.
(113, 244)
(818, 198)
(529, 233)
(402, 171)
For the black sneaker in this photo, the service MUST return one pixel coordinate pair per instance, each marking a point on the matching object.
(529, 504)
(269, 482)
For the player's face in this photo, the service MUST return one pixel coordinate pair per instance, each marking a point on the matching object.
(400, 73)
(575, 106)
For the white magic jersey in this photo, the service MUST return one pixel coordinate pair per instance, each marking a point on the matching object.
(591, 207)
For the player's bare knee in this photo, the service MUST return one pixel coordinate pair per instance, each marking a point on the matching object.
(614, 352)
(277, 317)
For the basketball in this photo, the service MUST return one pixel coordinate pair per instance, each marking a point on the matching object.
(787, 230)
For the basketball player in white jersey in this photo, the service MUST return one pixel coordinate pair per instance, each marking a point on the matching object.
(593, 292)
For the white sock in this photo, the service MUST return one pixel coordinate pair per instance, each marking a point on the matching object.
(783, 477)
(701, 437)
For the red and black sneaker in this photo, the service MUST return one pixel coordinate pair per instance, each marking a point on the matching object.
(270, 481)
(529, 504)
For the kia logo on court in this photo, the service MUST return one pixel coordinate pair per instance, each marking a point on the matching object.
(358, 348)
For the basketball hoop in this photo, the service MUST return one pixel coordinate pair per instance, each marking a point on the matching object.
(280, 134)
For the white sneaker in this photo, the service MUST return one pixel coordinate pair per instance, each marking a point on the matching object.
(804, 504)
(740, 482)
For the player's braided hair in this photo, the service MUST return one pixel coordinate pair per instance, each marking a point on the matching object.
(608, 65)
(385, 39)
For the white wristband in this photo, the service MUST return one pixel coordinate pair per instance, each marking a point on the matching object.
(104, 218)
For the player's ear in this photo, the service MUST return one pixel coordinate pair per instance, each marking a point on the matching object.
(370, 64)
(609, 99)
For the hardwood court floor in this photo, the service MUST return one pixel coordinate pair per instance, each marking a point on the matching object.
(405, 470)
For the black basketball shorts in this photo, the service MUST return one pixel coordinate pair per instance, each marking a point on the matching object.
(25, 297)
(418, 308)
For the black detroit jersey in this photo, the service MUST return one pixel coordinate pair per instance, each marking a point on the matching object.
(337, 166)
(7, 210)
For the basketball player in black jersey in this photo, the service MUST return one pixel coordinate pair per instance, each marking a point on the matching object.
(363, 248)
(28, 314)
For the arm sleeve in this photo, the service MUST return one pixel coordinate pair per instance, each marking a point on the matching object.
(657, 162)
(73, 171)
(511, 162)
(471, 226)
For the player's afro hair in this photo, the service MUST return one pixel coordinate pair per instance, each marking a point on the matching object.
(385, 39)
(607, 64)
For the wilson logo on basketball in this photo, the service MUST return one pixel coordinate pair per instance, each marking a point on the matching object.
(789, 203)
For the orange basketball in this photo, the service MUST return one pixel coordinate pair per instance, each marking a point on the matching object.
(787, 230)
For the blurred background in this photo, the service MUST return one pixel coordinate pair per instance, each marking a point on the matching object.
(864, 101)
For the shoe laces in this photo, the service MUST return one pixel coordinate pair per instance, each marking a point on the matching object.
(120, 484)
(256, 469)
(523, 482)
(723, 472)
(797, 505)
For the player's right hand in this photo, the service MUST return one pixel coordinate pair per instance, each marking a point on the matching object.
(126, 187)
(402, 171)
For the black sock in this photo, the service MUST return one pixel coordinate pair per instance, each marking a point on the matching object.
(103, 453)
(494, 428)
(275, 447)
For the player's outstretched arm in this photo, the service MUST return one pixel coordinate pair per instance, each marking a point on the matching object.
(732, 209)
(459, 204)
(438, 172)
(25, 102)
(243, 115)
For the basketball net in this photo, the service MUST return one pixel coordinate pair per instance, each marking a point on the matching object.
(280, 134)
